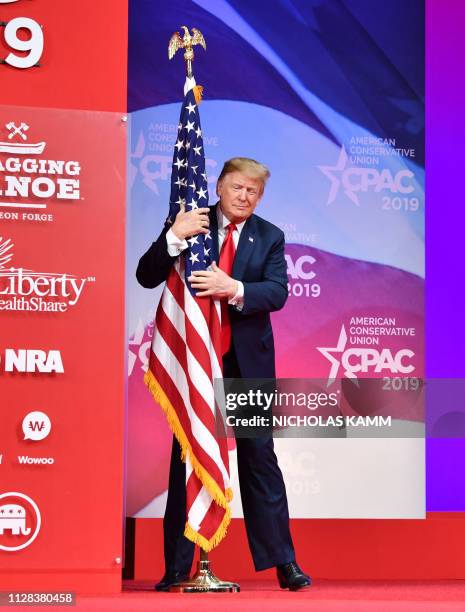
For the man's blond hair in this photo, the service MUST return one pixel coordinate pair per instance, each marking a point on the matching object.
(250, 167)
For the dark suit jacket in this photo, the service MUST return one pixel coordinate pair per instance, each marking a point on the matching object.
(259, 263)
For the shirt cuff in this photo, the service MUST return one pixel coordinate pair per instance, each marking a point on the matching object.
(175, 245)
(238, 300)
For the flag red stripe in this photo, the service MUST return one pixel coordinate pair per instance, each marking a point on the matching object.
(193, 338)
(178, 347)
(211, 316)
(193, 486)
(211, 521)
(177, 402)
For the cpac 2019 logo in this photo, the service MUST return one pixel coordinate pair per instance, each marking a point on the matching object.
(355, 180)
(23, 289)
(359, 360)
(300, 271)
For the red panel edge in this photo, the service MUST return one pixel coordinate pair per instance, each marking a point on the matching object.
(336, 549)
(94, 582)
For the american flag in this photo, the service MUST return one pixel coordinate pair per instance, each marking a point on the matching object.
(186, 351)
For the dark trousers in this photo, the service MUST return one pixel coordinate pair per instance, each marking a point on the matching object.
(264, 501)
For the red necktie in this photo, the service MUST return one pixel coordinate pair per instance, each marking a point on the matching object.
(228, 251)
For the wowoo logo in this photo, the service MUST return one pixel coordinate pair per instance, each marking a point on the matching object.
(23, 289)
(364, 360)
(36, 425)
(355, 180)
(25, 459)
(23, 177)
(33, 360)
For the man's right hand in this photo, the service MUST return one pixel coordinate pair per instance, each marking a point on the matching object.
(190, 223)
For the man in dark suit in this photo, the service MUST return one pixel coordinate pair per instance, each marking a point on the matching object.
(251, 281)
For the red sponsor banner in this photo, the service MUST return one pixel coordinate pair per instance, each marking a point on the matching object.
(61, 348)
(64, 54)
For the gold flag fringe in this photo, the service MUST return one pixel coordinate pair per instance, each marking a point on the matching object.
(198, 94)
(212, 487)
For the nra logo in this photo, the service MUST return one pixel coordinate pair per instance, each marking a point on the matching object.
(33, 360)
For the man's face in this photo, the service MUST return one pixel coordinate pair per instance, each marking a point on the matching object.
(239, 195)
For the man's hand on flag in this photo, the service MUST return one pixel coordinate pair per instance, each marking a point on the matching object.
(190, 223)
(213, 283)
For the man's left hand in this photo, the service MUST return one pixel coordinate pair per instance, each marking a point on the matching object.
(215, 283)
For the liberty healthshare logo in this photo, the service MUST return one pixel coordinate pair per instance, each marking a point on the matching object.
(353, 180)
(23, 289)
(28, 181)
(20, 521)
(357, 360)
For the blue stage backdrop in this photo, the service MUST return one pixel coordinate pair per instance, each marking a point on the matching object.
(330, 95)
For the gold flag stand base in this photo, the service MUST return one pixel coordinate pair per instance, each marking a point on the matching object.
(204, 580)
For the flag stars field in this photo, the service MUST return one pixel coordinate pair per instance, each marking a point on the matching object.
(190, 107)
(201, 193)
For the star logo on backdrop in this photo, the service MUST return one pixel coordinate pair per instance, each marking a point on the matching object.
(333, 173)
(327, 352)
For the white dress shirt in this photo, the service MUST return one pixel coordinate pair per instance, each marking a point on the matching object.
(176, 246)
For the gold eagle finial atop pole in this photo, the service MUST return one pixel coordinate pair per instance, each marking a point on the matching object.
(186, 42)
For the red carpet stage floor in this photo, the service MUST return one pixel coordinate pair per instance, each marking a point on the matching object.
(324, 596)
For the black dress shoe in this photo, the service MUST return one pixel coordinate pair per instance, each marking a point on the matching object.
(170, 578)
(291, 577)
